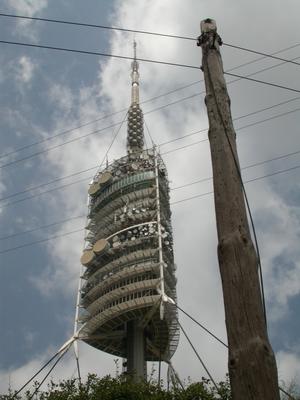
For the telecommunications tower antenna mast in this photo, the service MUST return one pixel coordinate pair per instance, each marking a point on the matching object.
(128, 261)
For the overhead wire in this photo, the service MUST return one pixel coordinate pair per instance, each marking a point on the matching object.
(30, 397)
(198, 356)
(201, 326)
(222, 342)
(46, 150)
(113, 125)
(116, 124)
(82, 24)
(97, 120)
(89, 25)
(172, 203)
(42, 227)
(38, 372)
(261, 53)
(246, 181)
(149, 100)
(86, 179)
(146, 60)
(160, 145)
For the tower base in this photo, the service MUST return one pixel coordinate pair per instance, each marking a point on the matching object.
(136, 364)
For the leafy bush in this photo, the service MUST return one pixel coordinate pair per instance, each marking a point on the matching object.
(119, 388)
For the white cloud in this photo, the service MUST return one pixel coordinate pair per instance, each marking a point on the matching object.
(25, 69)
(288, 366)
(28, 8)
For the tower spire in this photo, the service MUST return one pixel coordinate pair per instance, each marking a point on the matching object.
(135, 78)
(135, 131)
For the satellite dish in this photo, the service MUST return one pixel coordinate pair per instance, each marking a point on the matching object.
(100, 246)
(105, 177)
(94, 188)
(87, 257)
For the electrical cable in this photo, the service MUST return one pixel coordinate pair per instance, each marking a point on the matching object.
(263, 82)
(48, 373)
(113, 28)
(58, 145)
(118, 56)
(199, 358)
(42, 227)
(201, 326)
(173, 203)
(40, 370)
(224, 344)
(149, 100)
(113, 140)
(116, 124)
(247, 181)
(172, 189)
(237, 167)
(165, 153)
(96, 120)
(260, 53)
(46, 150)
(97, 131)
(65, 22)
(160, 145)
(244, 168)
(41, 241)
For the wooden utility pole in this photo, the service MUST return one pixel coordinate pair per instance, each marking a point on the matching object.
(252, 365)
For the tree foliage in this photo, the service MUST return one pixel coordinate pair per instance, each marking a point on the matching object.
(119, 388)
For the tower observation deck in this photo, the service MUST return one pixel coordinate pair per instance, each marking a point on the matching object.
(128, 259)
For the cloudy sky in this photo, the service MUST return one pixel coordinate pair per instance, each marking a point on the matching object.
(45, 93)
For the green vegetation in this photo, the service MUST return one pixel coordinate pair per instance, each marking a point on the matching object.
(119, 388)
(109, 388)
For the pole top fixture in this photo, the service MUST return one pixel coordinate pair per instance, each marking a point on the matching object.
(208, 25)
(209, 34)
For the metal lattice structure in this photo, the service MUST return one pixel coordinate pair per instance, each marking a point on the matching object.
(128, 260)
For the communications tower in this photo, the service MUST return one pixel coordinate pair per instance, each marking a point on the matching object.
(128, 258)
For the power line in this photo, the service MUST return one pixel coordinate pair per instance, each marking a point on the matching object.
(41, 227)
(201, 326)
(167, 142)
(149, 100)
(246, 181)
(48, 373)
(46, 150)
(172, 189)
(263, 82)
(243, 168)
(99, 119)
(41, 241)
(82, 24)
(198, 356)
(118, 123)
(146, 60)
(113, 28)
(165, 153)
(261, 53)
(108, 115)
(40, 370)
(173, 203)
